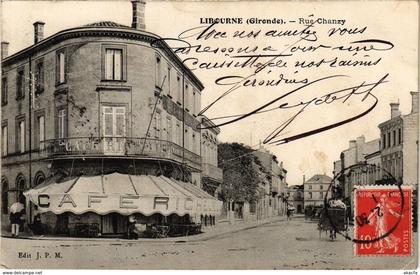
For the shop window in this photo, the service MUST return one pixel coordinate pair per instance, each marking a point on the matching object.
(61, 67)
(20, 83)
(4, 196)
(4, 91)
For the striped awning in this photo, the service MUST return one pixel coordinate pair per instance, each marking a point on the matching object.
(124, 194)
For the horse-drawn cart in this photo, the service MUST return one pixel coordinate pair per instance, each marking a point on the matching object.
(333, 219)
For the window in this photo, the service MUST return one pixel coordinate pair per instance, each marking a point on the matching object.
(321, 187)
(61, 123)
(194, 143)
(399, 136)
(39, 132)
(61, 67)
(39, 77)
(4, 91)
(187, 139)
(179, 88)
(4, 196)
(383, 141)
(158, 72)
(114, 129)
(178, 133)
(113, 64)
(20, 135)
(20, 83)
(169, 130)
(186, 97)
(389, 139)
(21, 186)
(310, 195)
(4, 140)
(321, 195)
(394, 138)
(193, 105)
(168, 81)
(157, 125)
(310, 187)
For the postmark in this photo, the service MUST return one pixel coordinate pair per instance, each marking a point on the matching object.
(383, 220)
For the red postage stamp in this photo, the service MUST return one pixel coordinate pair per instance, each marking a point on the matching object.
(383, 220)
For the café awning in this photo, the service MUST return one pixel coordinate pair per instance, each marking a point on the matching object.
(124, 194)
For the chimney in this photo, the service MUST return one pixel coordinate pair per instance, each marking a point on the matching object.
(352, 143)
(414, 102)
(38, 31)
(139, 7)
(394, 109)
(303, 178)
(4, 49)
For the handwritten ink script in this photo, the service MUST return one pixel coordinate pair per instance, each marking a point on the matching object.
(286, 70)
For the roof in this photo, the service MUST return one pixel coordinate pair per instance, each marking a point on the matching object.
(106, 24)
(319, 179)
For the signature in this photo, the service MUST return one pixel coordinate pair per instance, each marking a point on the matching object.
(364, 90)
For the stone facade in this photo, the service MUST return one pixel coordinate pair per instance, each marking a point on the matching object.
(93, 99)
(316, 189)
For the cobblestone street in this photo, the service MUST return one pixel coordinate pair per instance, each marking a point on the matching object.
(281, 244)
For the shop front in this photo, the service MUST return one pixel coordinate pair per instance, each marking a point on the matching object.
(103, 203)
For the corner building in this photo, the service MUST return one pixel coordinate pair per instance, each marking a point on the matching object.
(98, 124)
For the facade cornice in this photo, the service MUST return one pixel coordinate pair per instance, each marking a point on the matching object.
(123, 33)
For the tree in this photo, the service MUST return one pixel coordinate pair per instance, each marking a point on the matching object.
(241, 172)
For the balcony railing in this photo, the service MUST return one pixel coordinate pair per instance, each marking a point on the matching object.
(120, 146)
(212, 171)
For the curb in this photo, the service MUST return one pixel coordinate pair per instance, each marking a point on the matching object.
(175, 240)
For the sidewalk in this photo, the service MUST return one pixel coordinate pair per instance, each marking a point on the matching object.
(208, 233)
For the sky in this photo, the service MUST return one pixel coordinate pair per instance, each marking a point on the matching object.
(386, 20)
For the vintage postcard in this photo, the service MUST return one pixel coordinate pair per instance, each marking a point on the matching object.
(209, 135)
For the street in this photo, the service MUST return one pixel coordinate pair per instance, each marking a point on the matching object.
(282, 244)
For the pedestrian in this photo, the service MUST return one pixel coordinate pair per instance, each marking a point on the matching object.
(16, 217)
(132, 231)
(15, 220)
(288, 213)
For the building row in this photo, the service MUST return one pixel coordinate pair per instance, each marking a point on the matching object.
(392, 158)
(100, 122)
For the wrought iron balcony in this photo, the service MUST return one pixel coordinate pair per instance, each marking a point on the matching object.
(212, 171)
(120, 146)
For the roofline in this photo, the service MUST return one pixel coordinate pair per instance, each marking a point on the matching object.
(206, 120)
(103, 31)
